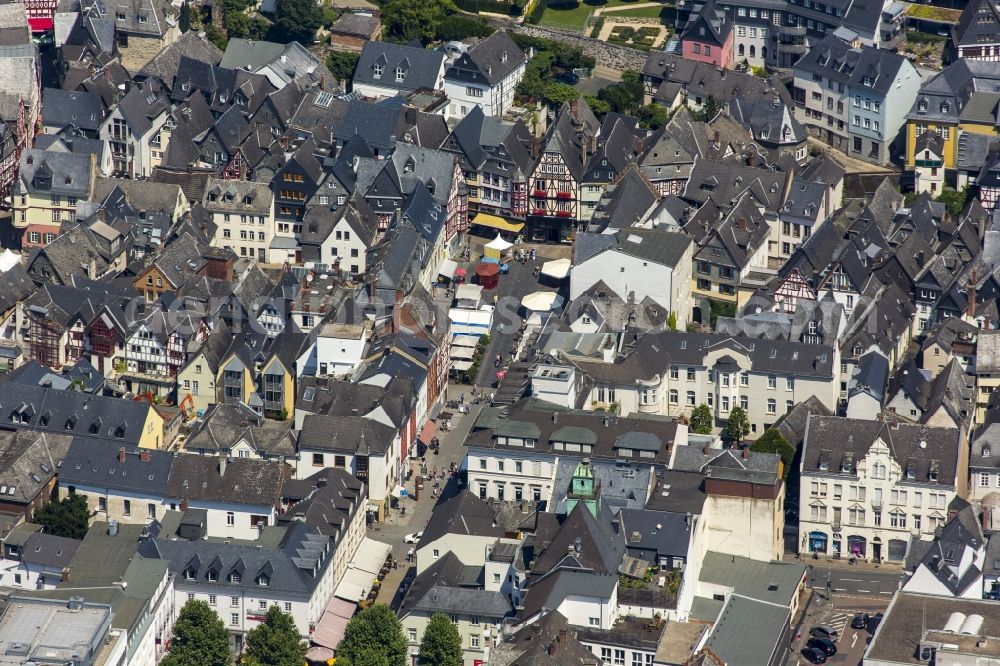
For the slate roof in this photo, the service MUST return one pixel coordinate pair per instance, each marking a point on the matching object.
(597, 547)
(444, 587)
(420, 66)
(946, 558)
(28, 461)
(57, 173)
(970, 30)
(748, 631)
(72, 412)
(48, 550)
(463, 514)
(350, 434)
(489, 61)
(245, 481)
(327, 501)
(922, 452)
(289, 567)
(64, 108)
(625, 201)
(97, 464)
(166, 64)
(224, 426)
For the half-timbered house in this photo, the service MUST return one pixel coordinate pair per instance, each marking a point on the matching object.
(554, 184)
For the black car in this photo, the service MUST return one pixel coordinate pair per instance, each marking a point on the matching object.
(828, 647)
(814, 655)
(823, 631)
(569, 78)
(860, 621)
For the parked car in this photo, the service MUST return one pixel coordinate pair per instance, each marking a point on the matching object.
(828, 647)
(413, 538)
(569, 78)
(860, 621)
(814, 655)
(823, 631)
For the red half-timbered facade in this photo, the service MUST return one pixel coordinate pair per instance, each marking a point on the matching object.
(792, 289)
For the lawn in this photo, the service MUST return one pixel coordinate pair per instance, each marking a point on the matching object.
(643, 12)
(573, 15)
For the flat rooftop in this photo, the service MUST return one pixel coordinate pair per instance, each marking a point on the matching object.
(949, 623)
(678, 641)
(47, 631)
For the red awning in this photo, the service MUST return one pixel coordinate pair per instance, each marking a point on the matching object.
(41, 24)
(427, 433)
(460, 272)
(331, 626)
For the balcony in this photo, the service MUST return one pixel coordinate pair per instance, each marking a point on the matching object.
(564, 195)
(792, 30)
(877, 504)
(793, 48)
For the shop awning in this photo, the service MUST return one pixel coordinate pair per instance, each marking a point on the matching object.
(464, 353)
(370, 555)
(461, 366)
(331, 626)
(495, 222)
(427, 432)
(448, 268)
(41, 24)
(355, 585)
(465, 341)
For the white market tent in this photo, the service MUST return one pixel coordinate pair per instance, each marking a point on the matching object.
(557, 269)
(542, 301)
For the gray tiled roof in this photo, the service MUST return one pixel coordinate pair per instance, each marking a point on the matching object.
(239, 480)
(96, 463)
(420, 67)
(920, 451)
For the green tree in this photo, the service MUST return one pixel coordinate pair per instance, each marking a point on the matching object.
(200, 638)
(68, 517)
(441, 644)
(297, 21)
(557, 93)
(738, 425)
(374, 631)
(702, 420)
(407, 20)
(773, 441)
(185, 18)
(672, 321)
(342, 64)
(277, 641)
(955, 201)
(652, 116)
(461, 27)
(365, 656)
(708, 110)
(537, 75)
(598, 106)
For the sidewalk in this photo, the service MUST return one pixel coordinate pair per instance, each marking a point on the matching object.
(418, 512)
(844, 564)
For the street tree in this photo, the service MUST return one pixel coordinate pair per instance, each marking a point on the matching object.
(276, 642)
(737, 426)
(701, 420)
(374, 631)
(441, 644)
(200, 638)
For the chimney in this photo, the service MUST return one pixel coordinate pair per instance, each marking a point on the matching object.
(705, 450)
(746, 453)
(716, 137)
(143, 455)
(222, 465)
(971, 296)
(100, 214)
(741, 223)
(121, 455)
(184, 505)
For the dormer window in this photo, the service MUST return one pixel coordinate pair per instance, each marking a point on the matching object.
(400, 74)
(869, 81)
(120, 16)
(190, 573)
(945, 107)
(234, 577)
(986, 451)
(922, 106)
(264, 580)
(212, 576)
(377, 71)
